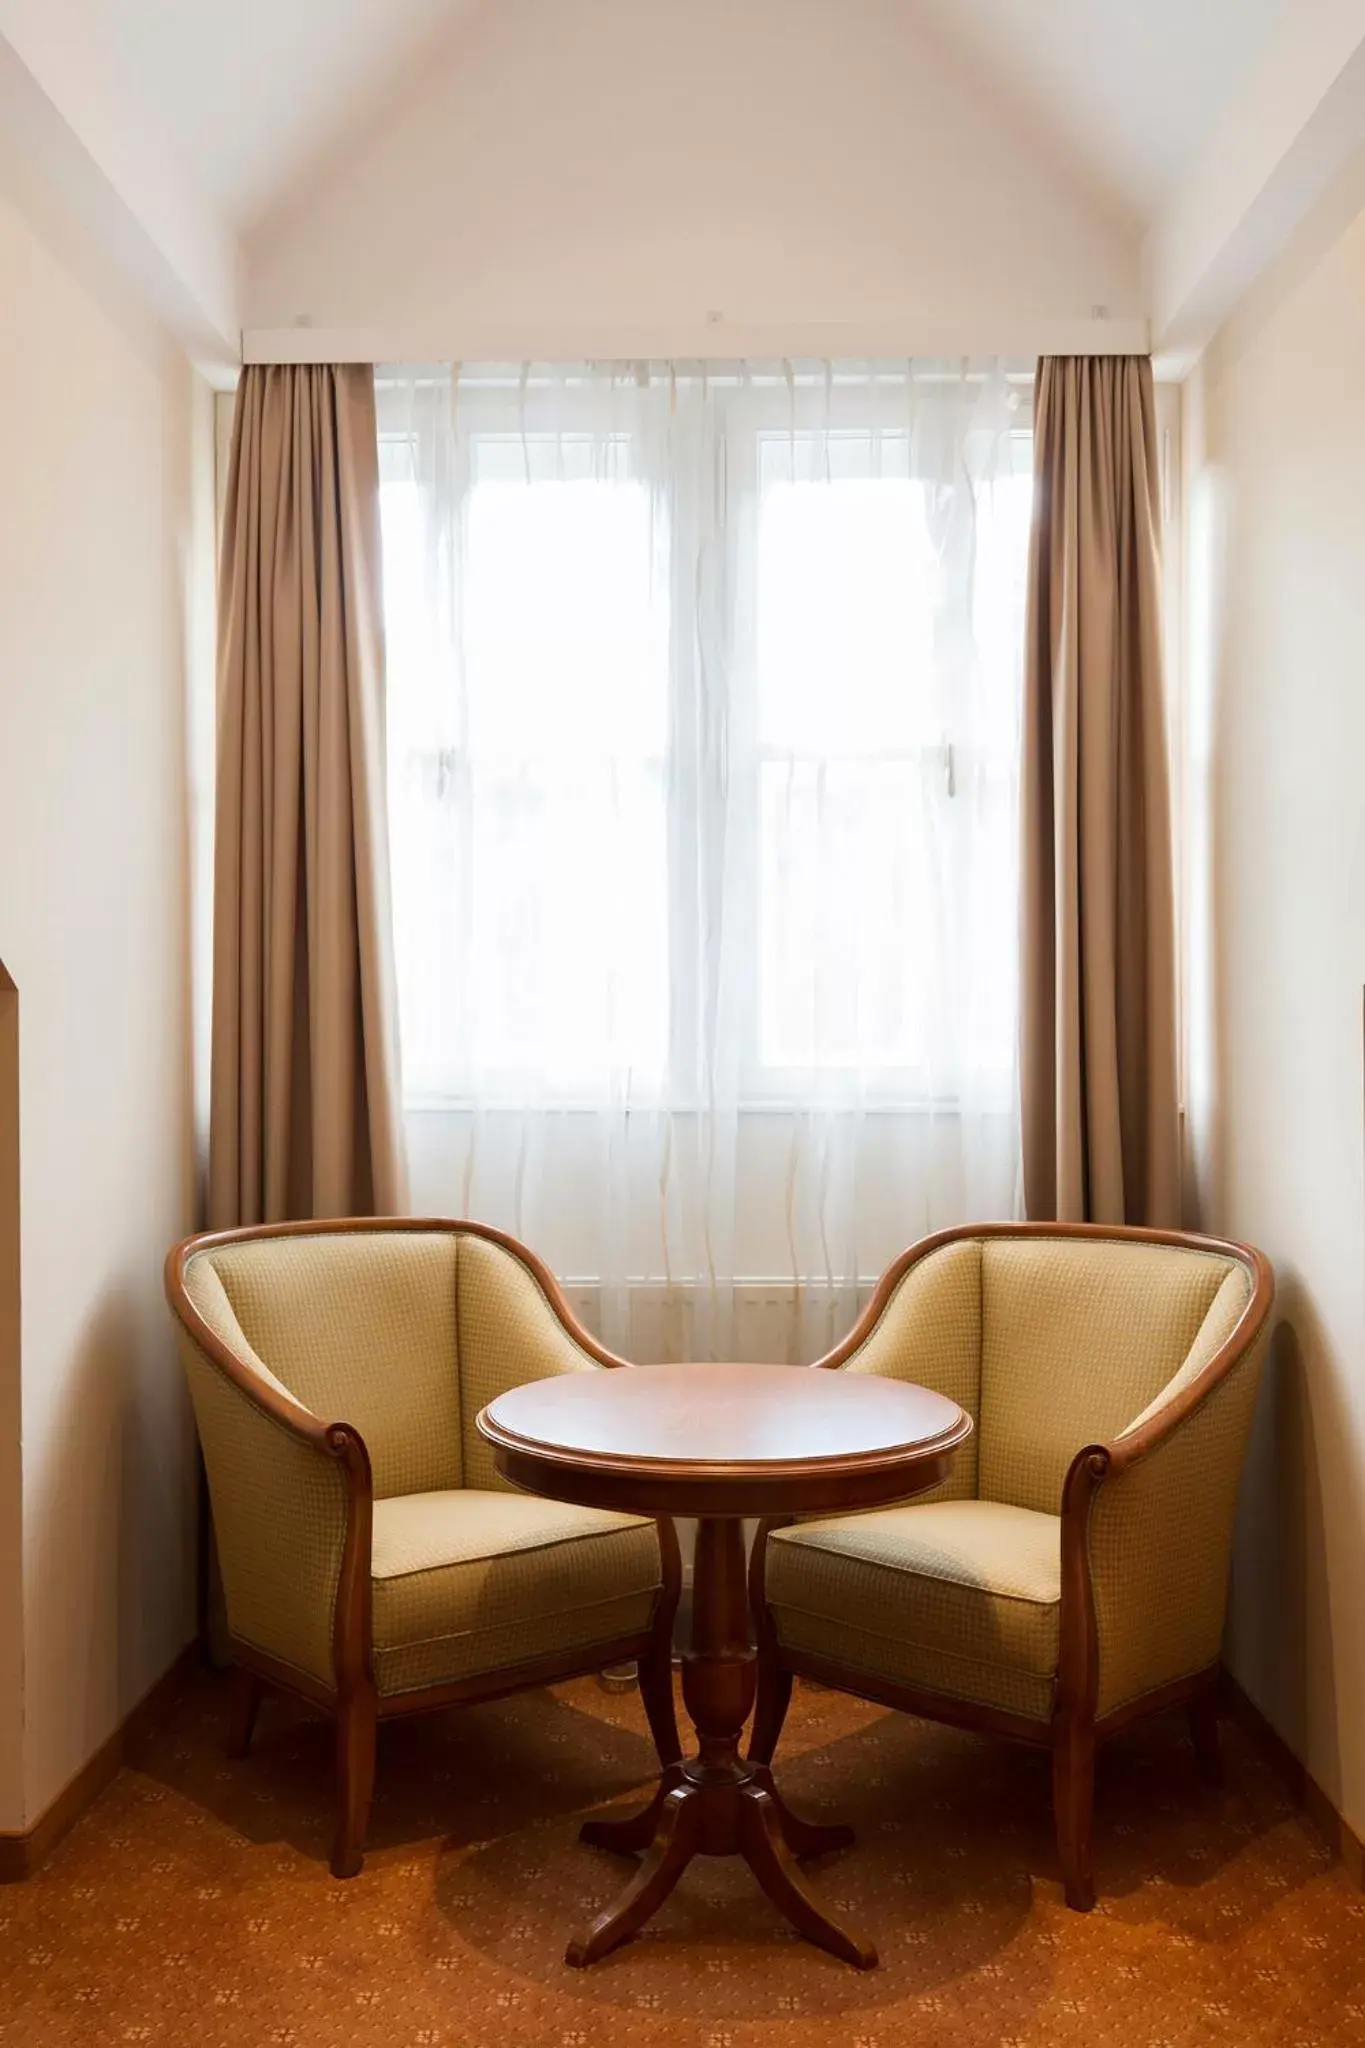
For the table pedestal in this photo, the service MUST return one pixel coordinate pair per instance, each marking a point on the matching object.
(717, 1804)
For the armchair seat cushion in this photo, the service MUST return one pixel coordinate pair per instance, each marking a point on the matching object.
(956, 1597)
(467, 1583)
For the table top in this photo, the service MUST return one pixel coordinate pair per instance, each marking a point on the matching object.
(724, 1439)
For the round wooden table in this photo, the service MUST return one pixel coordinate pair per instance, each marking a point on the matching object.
(721, 1442)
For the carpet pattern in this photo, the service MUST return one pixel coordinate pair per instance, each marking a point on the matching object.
(192, 1905)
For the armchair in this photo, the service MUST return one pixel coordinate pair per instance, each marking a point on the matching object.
(374, 1561)
(1071, 1573)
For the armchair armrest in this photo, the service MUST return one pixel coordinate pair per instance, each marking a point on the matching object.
(291, 1497)
(1147, 1519)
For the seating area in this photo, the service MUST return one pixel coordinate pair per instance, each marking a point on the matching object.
(1067, 1577)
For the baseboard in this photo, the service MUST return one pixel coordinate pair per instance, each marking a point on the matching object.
(21, 1854)
(1303, 1787)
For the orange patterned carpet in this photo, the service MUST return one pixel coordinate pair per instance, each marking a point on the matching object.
(192, 1905)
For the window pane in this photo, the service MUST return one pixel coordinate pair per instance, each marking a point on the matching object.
(887, 660)
(530, 880)
(565, 623)
(844, 869)
(999, 599)
(568, 929)
(845, 615)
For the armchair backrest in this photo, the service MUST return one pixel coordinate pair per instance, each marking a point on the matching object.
(508, 1334)
(929, 1331)
(1049, 1342)
(1078, 1336)
(359, 1326)
(405, 1334)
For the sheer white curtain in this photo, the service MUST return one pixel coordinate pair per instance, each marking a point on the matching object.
(704, 689)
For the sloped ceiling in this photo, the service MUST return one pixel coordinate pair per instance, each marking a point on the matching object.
(247, 92)
(186, 128)
(250, 92)
(1130, 89)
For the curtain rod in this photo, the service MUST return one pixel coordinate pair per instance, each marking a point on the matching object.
(1018, 340)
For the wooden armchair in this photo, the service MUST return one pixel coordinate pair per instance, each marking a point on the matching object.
(373, 1559)
(1072, 1573)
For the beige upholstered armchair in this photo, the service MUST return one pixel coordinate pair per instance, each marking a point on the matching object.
(1071, 1573)
(373, 1559)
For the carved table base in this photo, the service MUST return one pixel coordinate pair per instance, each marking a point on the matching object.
(717, 1804)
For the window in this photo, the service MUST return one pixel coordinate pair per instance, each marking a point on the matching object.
(548, 704)
(703, 728)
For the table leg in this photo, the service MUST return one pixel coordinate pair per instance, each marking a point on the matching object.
(718, 1805)
(633, 1832)
(674, 1846)
(767, 1855)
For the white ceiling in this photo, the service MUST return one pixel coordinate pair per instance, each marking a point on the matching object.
(246, 92)
(174, 131)
(1131, 90)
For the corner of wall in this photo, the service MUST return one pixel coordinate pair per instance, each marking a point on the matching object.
(11, 1499)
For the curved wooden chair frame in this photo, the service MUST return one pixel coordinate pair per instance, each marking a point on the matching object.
(1075, 1730)
(353, 1698)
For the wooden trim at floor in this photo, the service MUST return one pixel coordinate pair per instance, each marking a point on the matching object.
(21, 1854)
(1303, 1787)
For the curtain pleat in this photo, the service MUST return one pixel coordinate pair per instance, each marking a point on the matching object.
(1098, 1073)
(305, 1115)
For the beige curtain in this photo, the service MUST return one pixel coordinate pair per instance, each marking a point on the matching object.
(1098, 1050)
(305, 1114)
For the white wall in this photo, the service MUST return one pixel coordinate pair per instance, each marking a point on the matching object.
(607, 175)
(106, 438)
(1275, 457)
(11, 1484)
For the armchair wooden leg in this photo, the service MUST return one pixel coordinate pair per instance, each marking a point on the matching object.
(774, 1692)
(656, 1693)
(246, 1700)
(1073, 1799)
(656, 1666)
(771, 1704)
(1203, 1719)
(357, 1722)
